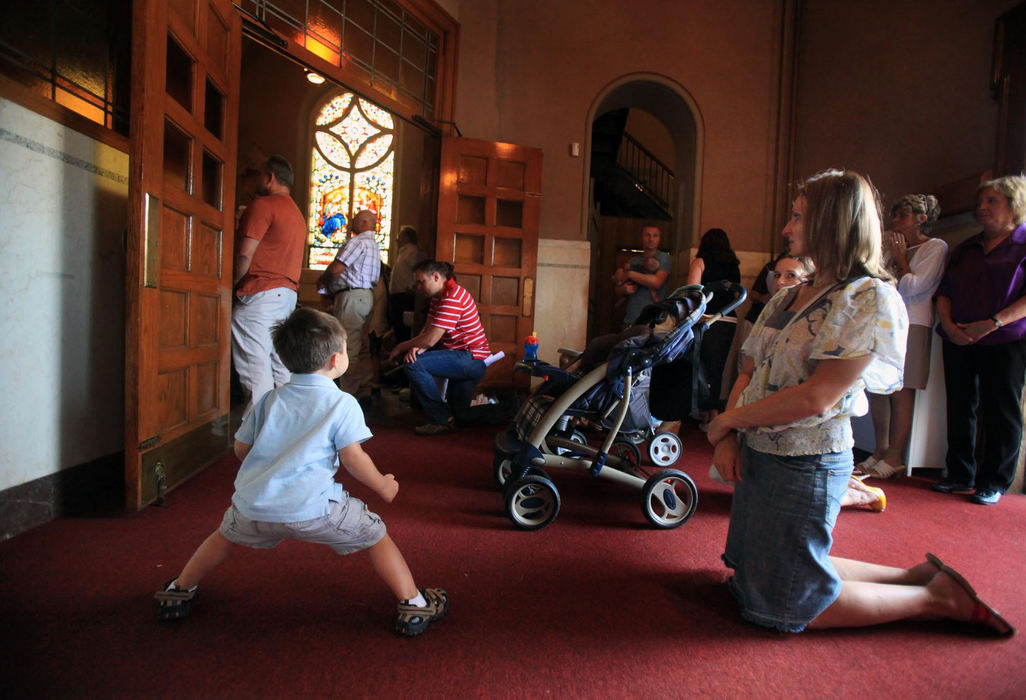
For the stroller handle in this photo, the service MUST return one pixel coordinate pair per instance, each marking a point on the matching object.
(738, 292)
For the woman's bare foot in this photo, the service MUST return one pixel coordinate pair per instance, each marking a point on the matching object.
(921, 574)
(858, 494)
(953, 601)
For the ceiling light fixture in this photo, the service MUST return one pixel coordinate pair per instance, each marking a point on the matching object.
(315, 78)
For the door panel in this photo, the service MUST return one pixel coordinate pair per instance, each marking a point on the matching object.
(488, 214)
(185, 78)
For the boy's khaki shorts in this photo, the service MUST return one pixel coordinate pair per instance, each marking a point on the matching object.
(348, 528)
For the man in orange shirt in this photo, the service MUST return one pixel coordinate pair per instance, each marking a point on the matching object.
(268, 259)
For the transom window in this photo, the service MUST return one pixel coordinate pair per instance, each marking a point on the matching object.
(74, 53)
(382, 41)
(352, 168)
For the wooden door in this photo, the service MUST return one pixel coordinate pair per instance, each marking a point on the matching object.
(185, 85)
(1010, 89)
(489, 203)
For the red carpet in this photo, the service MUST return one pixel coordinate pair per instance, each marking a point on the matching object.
(596, 605)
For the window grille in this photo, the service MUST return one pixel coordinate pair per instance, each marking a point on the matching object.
(394, 50)
(74, 52)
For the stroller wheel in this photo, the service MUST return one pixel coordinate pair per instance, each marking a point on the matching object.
(669, 499)
(576, 436)
(665, 449)
(501, 468)
(532, 502)
(630, 457)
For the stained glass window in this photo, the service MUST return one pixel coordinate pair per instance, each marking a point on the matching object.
(352, 169)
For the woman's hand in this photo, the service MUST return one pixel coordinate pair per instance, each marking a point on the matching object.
(955, 332)
(719, 428)
(898, 245)
(727, 459)
(899, 249)
(977, 329)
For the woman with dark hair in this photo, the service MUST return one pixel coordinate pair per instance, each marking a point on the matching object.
(786, 438)
(716, 261)
(981, 304)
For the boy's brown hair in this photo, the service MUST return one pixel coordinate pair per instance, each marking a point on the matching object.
(307, 339)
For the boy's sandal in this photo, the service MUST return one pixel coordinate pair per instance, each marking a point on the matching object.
(175, 602)
(983, 614)
(412, 620)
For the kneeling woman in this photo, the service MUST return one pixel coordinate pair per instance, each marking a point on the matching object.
(786, 436)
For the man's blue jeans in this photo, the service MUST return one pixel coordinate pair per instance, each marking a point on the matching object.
(463, 373)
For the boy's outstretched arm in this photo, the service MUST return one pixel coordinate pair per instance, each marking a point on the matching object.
(359, 464)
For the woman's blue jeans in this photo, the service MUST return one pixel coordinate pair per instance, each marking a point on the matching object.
(463, 373)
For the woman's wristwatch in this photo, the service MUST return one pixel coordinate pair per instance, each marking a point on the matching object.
(997, 323)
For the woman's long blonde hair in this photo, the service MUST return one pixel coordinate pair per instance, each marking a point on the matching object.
(842, 226)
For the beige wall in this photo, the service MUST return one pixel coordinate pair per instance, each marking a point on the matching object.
(899, 90)
(530, 70)
(62, 332)
(653, 135)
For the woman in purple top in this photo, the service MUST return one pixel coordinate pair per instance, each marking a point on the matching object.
(981, 305)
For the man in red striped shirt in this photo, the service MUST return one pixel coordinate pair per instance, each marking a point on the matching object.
(454, 325)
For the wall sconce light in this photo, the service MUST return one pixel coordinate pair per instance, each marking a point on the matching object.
(315, 78)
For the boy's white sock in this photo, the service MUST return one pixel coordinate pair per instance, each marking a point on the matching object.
(419, 601)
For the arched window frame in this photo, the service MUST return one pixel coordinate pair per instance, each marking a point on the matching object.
(353, 145)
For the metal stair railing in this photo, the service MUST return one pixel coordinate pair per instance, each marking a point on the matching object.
(650, 175)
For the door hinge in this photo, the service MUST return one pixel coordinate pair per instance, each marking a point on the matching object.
(161, 476)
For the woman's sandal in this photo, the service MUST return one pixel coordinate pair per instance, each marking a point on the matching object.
(983, 614)
(863, 467)
(412, 620)
(175, 602)
(883, 470)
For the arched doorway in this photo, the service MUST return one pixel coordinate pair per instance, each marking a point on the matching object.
(613, 234)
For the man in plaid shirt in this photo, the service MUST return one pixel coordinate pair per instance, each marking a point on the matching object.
(351, 278)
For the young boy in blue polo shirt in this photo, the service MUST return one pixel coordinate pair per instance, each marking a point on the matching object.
(290, 445)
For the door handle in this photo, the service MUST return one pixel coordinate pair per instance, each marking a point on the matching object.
(151, 239)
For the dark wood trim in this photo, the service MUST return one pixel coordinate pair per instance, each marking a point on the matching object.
(16, 92)
(355, 78)
(432, 14)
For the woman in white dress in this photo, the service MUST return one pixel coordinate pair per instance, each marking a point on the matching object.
(917, 262)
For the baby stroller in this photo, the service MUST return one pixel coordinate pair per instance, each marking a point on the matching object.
(544, 436)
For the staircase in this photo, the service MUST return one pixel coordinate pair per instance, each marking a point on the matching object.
(630, 182)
